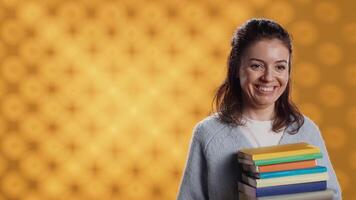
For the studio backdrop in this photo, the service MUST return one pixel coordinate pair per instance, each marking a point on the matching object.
(98, 99)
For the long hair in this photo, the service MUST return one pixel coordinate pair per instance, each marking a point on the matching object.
(228, 98)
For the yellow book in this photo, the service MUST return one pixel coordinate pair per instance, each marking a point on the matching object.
(277, 151)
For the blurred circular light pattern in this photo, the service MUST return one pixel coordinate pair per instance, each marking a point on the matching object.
(2, 50)
(349, 32)
(259, 3)
(352, 158)
(107, 93)
(331, 95)
(13, 185)
(329, 54)
(13, 146)
(12, 32)
(312, 111)
(350, 75)
(282, 11)
(306, 74)
(350, 116)
(327, 11)
(12, 69)
(30, 12)
(304, 32)
(12, 107)
(335, 137)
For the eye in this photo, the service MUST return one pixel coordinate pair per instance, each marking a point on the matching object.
(281, 67)
(255, 66)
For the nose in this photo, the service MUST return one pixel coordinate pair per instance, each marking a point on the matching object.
(267, 75)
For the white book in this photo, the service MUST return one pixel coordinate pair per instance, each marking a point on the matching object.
(267, 182)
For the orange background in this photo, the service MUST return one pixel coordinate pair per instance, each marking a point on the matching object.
(98, 98)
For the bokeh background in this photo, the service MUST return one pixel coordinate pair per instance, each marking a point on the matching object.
(98, 98)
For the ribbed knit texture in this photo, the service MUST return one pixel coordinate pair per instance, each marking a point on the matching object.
(212, 170)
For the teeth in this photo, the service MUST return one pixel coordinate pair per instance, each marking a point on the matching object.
(265, 89)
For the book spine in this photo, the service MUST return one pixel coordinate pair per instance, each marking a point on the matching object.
(305, 178)
(317, 169)
(288, 159)
(286, 166)
(292, 188)
(284, 154)
(280, 166)
(316, 195)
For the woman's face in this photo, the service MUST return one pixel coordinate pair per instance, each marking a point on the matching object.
(264, 72)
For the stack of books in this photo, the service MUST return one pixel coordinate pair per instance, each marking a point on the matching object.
(287, 171)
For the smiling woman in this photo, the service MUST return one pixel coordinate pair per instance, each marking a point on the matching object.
(263, 76)
(253, 109)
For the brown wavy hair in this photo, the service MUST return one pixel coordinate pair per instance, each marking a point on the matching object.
(228, 98)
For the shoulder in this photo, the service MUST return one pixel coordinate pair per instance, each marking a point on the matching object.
(309, 124)
(209, 127)
(302, 125)
(310, 130)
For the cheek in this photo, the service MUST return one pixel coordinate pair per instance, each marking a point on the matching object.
(243, 81)
(283, 79)
(242, 77)
(247, 78)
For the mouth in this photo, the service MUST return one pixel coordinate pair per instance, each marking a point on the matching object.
(265, 89)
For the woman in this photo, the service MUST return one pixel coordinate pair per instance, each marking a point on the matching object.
(253, 110)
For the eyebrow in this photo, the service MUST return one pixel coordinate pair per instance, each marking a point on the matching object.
(278, 61)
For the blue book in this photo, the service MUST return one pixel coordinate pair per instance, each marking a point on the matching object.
(327, 194)
(313, 170)
(282, 189)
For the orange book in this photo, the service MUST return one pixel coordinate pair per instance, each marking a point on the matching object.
(280, 166)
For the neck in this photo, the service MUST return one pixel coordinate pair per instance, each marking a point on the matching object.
(261, 114)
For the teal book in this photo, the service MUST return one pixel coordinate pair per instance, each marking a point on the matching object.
(284, 180)
(313, 170)
(281, 159)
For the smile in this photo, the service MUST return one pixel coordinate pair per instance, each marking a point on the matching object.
(265, 89)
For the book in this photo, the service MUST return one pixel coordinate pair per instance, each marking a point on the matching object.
(277, 151)
(317, 195)
(280, 166)
(317, 169)
(282, 189)
(304, 178)
(281, 159)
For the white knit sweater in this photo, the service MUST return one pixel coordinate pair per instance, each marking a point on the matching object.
(212, 171)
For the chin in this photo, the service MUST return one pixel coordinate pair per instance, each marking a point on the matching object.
(265, 103)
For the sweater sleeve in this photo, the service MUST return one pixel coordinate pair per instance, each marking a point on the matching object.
(332, 183)
(194, 184)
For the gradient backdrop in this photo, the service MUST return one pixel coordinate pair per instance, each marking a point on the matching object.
(98, 98)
